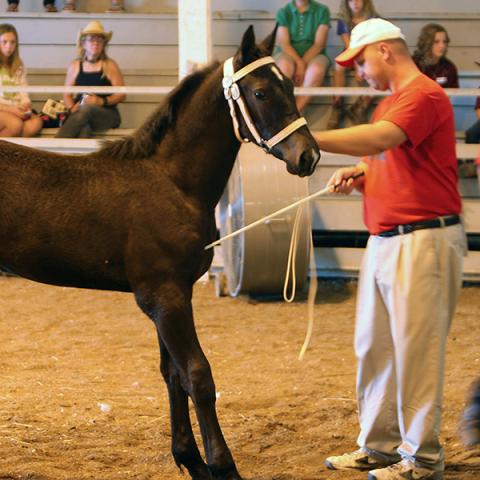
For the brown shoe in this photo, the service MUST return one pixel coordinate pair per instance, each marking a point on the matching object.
(50, 8)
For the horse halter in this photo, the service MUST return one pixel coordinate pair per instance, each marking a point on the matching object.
(232, 93)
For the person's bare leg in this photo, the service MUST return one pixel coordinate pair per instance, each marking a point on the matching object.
(10, 125)
(314, 76)
(32, 126)
(286, 64)
(337, 113)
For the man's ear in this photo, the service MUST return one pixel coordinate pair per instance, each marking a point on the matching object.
(385, 50)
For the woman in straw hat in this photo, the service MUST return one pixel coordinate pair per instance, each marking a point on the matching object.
(93, 68)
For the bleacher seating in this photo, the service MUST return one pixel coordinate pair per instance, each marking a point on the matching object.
(145, 44)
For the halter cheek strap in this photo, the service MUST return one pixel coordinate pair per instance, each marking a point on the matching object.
(232, 94)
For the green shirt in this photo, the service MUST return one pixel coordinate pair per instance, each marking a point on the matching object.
(303, 26)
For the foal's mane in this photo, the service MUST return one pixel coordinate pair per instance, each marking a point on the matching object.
(143, 142)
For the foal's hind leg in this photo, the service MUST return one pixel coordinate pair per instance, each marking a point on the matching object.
(184, 448)
(169, 306)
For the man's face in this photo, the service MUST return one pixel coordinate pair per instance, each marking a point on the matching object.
(370, 66)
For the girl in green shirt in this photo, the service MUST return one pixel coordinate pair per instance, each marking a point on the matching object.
(302, 35)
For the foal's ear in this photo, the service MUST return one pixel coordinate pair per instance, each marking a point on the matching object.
(269, 42)
(247, 47)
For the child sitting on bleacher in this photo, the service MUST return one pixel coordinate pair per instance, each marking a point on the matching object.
(430, 56)
(351, 13)
(16, 117)
(301, 37)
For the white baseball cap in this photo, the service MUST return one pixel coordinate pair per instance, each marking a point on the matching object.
(365, 33)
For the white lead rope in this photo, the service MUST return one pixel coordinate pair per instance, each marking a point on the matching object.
(312, 289)
(268, 217)
(291, 273)
(278, 212)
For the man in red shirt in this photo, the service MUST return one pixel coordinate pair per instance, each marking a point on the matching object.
(412, 268)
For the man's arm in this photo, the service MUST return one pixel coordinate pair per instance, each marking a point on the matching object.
(369, 139)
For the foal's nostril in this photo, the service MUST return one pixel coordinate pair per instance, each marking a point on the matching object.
(303, 164)
(308, 161)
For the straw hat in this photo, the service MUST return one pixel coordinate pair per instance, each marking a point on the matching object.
(94, 28)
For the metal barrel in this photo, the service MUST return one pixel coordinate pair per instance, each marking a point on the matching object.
(255, 262)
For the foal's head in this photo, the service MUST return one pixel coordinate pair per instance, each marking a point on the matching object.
(269, 98)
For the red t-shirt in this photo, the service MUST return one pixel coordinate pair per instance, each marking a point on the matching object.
(417, 180)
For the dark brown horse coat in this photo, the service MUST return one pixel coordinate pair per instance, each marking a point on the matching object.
(135, 216)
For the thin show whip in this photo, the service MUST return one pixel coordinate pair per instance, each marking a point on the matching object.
(278, 212)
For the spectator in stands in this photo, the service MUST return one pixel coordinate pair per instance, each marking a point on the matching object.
(472, 135)
(48, 4)
(16, 117)
(430, 56)
(351, 13)
(90, 112)
(301, 37)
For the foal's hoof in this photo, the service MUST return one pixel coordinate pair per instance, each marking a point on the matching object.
(225, 474)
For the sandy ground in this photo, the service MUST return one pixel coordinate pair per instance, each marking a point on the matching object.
(82, 397)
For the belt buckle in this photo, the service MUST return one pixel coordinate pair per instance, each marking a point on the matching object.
(401, 229)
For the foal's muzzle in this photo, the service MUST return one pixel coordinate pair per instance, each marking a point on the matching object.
(308, 161)
(306, 164)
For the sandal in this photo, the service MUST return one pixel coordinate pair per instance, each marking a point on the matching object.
(12, 7)
(50, 8)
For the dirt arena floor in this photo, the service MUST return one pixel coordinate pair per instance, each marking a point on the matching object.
(82, 398)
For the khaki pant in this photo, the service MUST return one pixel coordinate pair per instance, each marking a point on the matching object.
(408, 290)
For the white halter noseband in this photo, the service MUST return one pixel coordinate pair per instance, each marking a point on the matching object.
(232, 93)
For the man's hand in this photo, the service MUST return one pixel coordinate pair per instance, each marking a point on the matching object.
(343, 180)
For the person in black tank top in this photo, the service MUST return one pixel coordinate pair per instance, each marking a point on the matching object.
(90, 112)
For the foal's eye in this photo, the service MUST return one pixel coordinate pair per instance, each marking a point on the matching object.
(260, 95)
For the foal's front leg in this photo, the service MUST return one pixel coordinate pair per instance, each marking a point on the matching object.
(184, 448)
(169, 306)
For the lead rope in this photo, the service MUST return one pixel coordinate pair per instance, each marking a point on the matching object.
(291, 273)
(292, 255)
(313, 286)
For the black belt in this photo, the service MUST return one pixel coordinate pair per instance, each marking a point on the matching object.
(438, 222)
